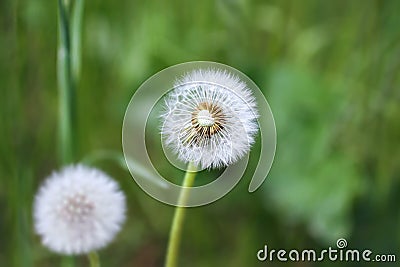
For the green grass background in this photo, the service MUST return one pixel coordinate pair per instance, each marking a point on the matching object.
(329, 69)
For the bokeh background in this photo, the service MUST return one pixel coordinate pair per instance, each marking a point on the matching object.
(329, 69)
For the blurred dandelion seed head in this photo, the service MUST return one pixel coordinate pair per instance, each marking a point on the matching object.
(78, 210)
(210, 118)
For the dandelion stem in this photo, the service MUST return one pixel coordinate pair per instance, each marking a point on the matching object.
(66, 85)
(94, 259)
(179, 216)
(68, 70)
(76, 33)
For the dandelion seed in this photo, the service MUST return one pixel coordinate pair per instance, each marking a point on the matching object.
(210, 118)
(78, 210)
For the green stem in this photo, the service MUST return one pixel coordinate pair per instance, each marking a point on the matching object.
(66, 85)
(94, 259)
(76, 33)
(179, 216)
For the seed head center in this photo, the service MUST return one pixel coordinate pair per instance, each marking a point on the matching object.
(76, 208)
(205, 118)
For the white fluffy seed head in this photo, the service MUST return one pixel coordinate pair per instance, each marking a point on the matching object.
(78, 210)
(210, 118)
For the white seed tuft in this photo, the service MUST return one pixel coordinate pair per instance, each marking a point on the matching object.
(210, 118)
(78, 210)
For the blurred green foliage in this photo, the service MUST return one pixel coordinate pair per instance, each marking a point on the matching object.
(329, 69)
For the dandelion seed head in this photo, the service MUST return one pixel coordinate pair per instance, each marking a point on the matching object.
(78, 210)
(210, 118)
